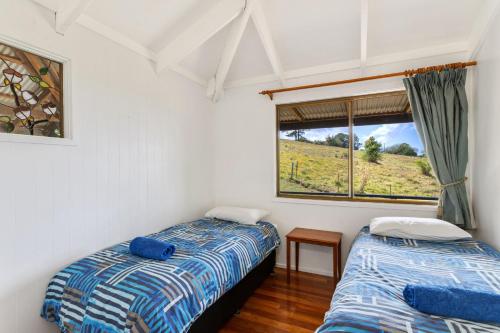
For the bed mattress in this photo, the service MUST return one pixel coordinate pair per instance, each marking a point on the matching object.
(369, 298)
(115, 291)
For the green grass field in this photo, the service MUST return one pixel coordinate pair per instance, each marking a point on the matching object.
(325, 169)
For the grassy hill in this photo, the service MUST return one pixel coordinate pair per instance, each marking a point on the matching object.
(325, 169)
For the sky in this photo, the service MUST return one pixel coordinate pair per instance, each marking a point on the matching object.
(387, 134)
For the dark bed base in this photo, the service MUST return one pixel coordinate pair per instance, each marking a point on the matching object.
(219, 313)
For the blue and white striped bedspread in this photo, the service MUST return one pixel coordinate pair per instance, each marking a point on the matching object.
(114, 291)
(369, 298)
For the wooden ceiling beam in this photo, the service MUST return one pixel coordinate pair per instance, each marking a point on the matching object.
(298, 114)
(407, 108)
(68, 13)
(260, 21)
(396, 118)
(219, 16)
(216, 88)
(390, 58)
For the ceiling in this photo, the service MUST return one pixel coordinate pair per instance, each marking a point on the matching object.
(283, 39)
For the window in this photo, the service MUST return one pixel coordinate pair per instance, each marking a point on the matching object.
(35, 91)
(31, 93)
(361, 148)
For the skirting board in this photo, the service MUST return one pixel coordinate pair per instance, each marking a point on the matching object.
(307, 269)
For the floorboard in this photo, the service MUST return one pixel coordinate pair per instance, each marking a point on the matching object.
(278, 307)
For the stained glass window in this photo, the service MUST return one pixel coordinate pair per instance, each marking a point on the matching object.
(31, 91)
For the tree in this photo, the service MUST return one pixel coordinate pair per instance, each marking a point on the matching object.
(425, 167)
(298, 135)
(342, 140)
(402, 149)
(339, 140)
(356, 145)
(372, 150)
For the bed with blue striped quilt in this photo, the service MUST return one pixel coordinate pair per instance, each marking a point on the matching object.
(369, 297)
(114, 291)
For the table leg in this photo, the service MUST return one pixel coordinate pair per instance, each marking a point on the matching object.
(297, 256)
(288, 261)
(339, 262)
(335, 263)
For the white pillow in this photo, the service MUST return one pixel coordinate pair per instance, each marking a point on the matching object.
(417, 228)
(237, 214)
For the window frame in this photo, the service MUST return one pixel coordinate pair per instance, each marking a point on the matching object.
(350, 196)
(70, 137)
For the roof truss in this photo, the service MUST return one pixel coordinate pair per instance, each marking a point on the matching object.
(68, 13)
(223, 13)
(254, 10)
(216, 86)
(260, 21)
(226, 11)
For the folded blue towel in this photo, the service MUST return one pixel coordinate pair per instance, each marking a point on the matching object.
(151, 248)
(454, 302)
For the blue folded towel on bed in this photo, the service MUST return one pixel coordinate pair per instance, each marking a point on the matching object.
(454, 302)
(151, 248)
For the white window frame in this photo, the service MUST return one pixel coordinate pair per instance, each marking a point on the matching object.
(69, 138)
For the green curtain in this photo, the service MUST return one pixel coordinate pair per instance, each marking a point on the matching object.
(439, 105)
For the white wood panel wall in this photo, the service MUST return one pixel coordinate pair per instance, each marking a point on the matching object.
(486, 163)
(245, 164)
(142, 163)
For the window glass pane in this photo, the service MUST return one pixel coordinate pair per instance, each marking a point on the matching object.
(389, 161)
(314, 148)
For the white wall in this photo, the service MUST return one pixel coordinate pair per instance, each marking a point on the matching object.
(143, 163)
(245, 162)
(486, 107)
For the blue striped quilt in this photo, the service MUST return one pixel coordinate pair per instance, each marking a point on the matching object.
(115, 291)
(369, 298)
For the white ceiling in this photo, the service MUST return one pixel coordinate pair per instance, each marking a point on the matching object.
(152, 23)
(205, 59)
(396, 25)
(250, 59)
(305, 36)
(314, 32)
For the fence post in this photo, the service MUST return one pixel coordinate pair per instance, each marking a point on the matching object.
(291, 174)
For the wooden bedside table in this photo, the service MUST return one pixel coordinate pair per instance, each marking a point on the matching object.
(318, 237)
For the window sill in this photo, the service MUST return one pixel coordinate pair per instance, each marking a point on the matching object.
(20, 138)
(358, 204)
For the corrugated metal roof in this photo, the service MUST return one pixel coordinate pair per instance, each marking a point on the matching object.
(392, 103)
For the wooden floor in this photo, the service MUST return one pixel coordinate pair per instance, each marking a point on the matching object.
(285, 308)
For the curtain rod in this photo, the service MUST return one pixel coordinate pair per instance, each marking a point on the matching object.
(409, 72)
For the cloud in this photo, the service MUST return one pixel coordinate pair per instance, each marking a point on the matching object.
(385, 133)
(322, 133)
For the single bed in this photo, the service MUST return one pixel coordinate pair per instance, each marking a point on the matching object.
(215, 265)
(369, 297)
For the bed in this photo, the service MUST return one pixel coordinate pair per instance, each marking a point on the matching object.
(216, 264)
(369, 297)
